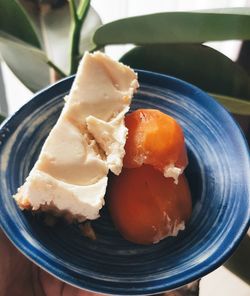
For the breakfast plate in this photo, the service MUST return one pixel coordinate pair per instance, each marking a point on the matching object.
(218, 175)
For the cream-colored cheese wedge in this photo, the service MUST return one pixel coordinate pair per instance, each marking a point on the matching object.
(70, 175)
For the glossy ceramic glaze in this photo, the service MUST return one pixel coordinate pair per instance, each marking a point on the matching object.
(218, 174)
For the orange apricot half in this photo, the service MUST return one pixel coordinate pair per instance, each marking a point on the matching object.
(154, 138)
(146, 207)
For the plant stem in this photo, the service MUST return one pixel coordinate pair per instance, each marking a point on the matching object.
(95, 48)
(73, 12)
(78, 17)
(83, 9)
(58, 71)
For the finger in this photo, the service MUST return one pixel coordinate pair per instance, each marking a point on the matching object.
(53, 286)
(73, 291)
(49, 284)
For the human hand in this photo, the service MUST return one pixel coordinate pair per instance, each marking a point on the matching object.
(19, 276)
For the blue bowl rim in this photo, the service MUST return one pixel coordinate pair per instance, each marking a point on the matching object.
(185, 280)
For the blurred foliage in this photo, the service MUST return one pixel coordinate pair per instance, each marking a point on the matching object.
(15, 21)
(172, 44)
(27, 62)
(177, 27)
(1, 118)
(200, 65)
(47, 25)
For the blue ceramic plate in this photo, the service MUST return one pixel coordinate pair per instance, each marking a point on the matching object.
(218, 174)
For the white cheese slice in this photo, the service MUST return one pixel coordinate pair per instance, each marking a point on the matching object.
(87, 141)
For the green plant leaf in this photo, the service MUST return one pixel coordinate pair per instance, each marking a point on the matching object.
(1, 118)
(198, 64)
(29, 64)
(233, 105)
(175, 27)
(32, 9)
(53, 24)
(15, 21)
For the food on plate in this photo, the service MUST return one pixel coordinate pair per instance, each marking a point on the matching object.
(148, 195)
(156, 139)
(146, 206)
(70, 175)
(150, 199)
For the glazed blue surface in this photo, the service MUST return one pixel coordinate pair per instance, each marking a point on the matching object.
(218, 175)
